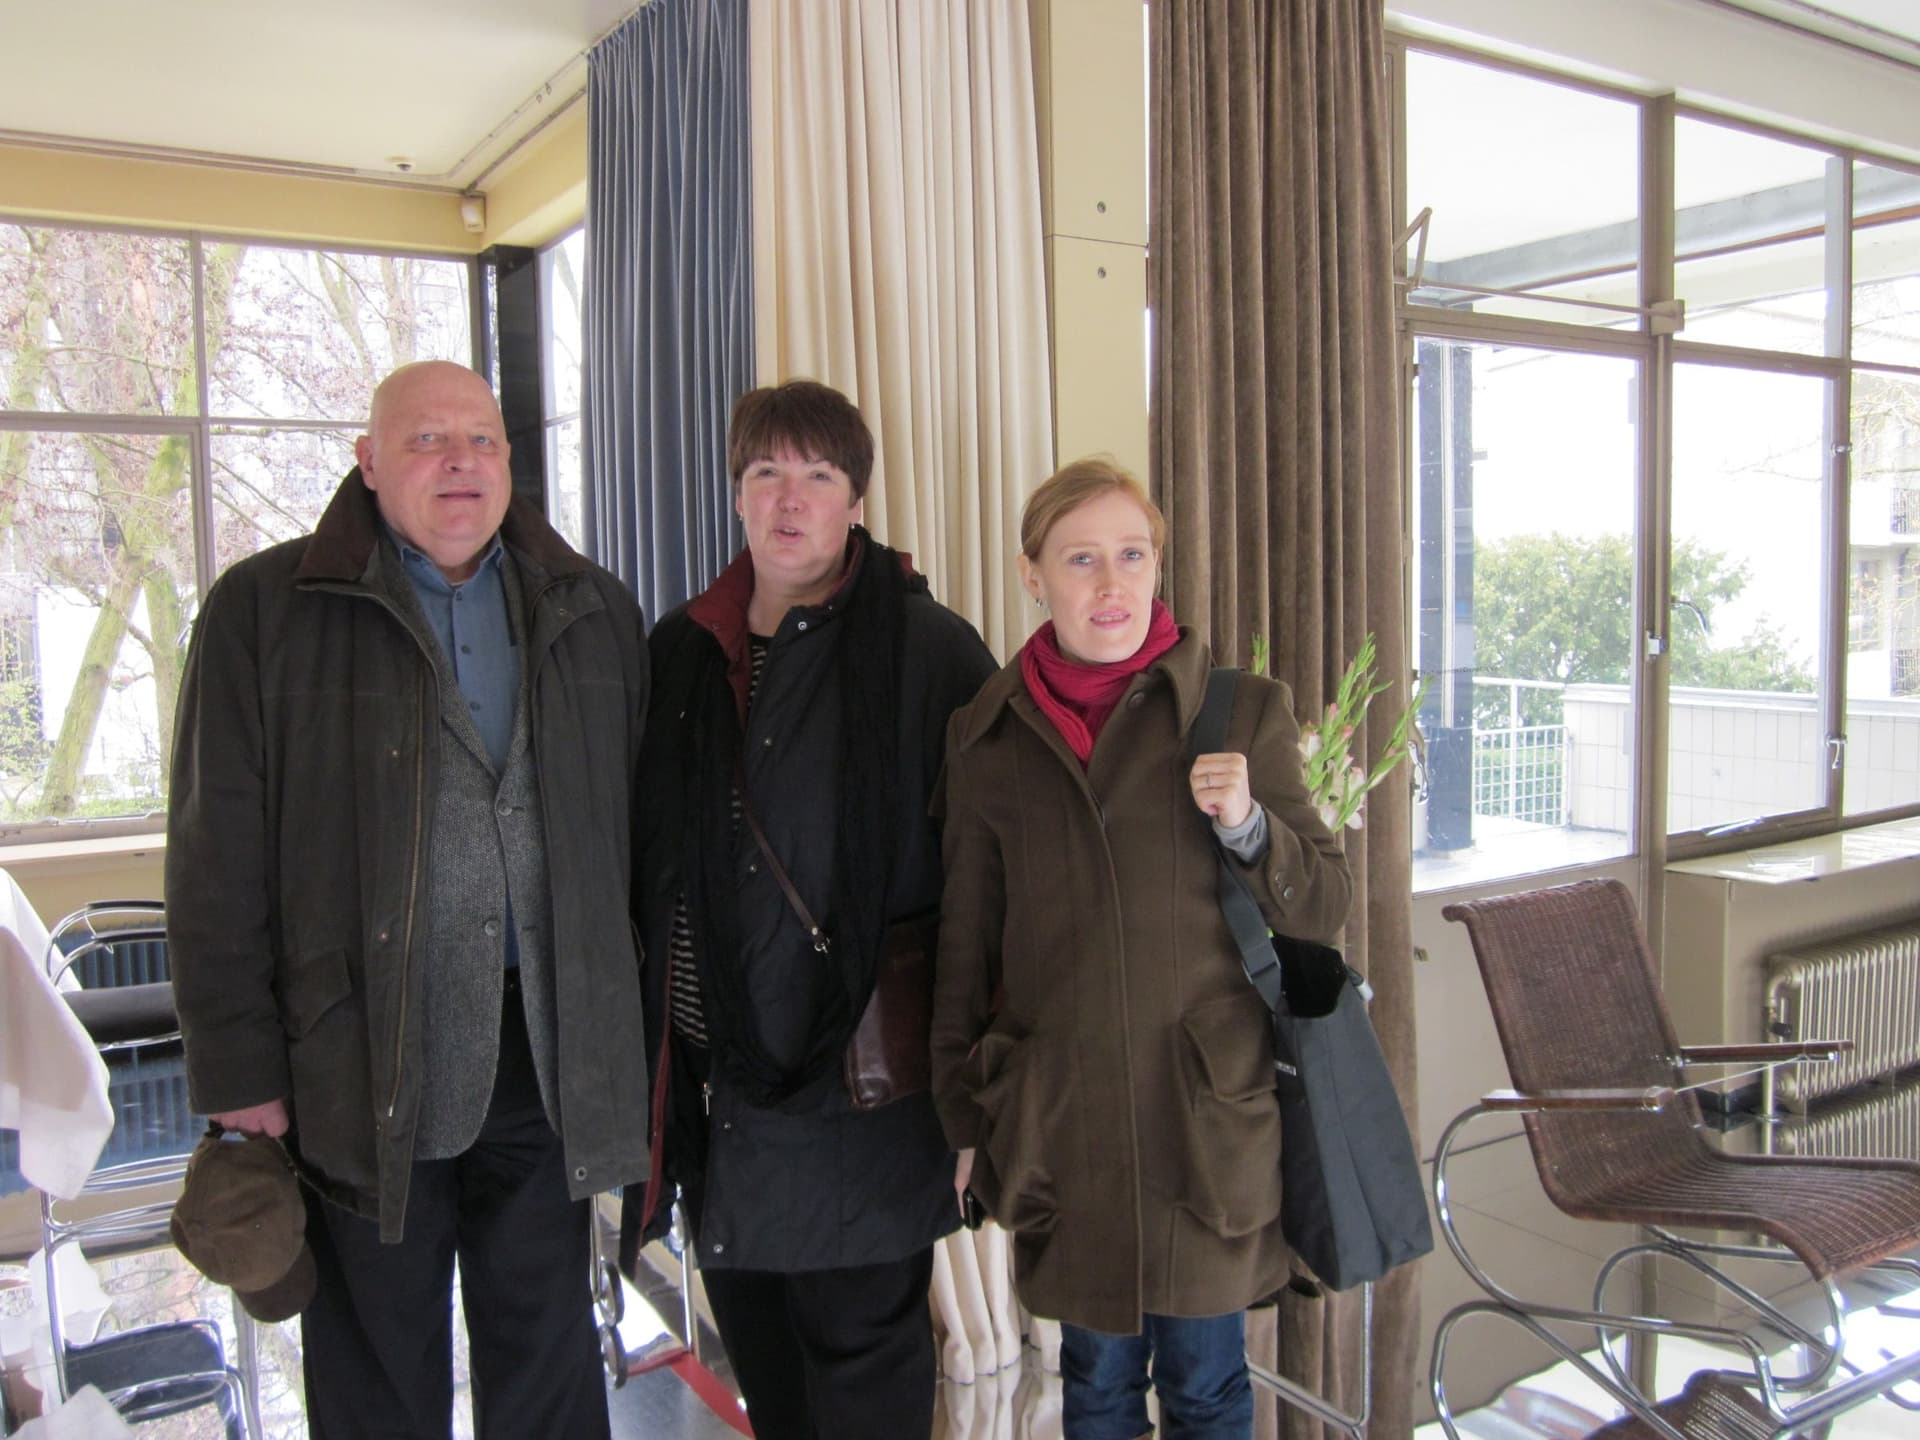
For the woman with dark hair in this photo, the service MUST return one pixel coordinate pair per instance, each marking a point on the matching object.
(794, 737)
(1100, 1060)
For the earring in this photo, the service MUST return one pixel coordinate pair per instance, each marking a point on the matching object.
(1040, 602)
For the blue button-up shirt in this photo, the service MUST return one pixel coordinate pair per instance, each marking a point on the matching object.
(470, 622)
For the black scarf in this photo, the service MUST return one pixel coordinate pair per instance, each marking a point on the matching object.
(866, 670)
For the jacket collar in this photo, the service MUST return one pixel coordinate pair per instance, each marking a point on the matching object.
(342, 545)
(721, 608)
(1184, 667)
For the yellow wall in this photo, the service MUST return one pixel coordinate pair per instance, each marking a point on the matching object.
(539, 193)
(170, 195)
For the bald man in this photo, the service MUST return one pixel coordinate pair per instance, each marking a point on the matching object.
(398, 855)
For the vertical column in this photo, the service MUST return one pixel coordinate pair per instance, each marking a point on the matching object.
(514, 352)
(1090, 69)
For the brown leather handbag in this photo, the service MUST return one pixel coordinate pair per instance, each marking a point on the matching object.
(888, 1056)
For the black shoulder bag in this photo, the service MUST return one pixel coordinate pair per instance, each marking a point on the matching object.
(1352, 1205)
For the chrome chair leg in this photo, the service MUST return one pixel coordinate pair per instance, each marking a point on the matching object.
(1291, 1392)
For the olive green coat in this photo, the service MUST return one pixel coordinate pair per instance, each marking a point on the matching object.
(1094, 1035)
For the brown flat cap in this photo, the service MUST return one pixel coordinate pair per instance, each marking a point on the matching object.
(242, 1221)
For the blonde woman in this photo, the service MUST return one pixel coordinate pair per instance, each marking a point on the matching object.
(1100, 1061)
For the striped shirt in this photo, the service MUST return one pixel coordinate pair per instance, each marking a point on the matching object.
(683, 978)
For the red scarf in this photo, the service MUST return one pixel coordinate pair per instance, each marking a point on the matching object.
(1078, 698)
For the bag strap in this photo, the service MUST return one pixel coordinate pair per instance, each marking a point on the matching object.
(1249, 926)
(821, 942)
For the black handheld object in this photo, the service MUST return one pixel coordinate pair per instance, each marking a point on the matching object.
(972, 1213)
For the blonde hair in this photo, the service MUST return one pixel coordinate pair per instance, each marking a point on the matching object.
(1070, 487)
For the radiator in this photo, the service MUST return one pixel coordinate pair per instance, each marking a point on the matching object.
(1881, 1122)
(1864, 988)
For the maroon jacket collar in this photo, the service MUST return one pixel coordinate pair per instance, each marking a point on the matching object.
(721, 610)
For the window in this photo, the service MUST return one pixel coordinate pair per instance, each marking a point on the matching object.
(563, 267)
(1523, 578)
(1525, 213)
(125, 492)
(1883, 604)
(1886, 266)
(1785, 607)
(1746, 734)
(1750, 250)
(1866, 607)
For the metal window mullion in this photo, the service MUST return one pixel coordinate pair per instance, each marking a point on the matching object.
(1773, 362)
(87, 423)
(200, 474)
(1651, 677)
(1838, 476)
(1508, 292)
(1431, 323)
(482, 346)
(1880, 367)
(275, 422)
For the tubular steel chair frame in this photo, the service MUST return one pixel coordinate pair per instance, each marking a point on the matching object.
(1615, 1134)
(145, 923)
(1291, 1392)
(144, 1223)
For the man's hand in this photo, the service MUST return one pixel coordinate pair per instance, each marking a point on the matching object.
(962, 1172)
(267, 1119)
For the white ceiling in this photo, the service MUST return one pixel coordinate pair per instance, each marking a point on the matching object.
(449, 86)
(445, 85)
(1890, 26)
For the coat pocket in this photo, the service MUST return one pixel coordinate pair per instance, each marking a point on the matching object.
(1233, 1118)
(1016, 1184)
(327, 1057)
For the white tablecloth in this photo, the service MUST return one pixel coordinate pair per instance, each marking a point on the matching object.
(18, 915)
(53, 1083)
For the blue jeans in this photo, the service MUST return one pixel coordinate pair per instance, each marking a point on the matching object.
(1199, 1370)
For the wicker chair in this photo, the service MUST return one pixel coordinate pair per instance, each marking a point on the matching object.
(1616, 1136)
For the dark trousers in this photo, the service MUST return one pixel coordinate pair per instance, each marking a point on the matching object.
(831, 1354)
(378, 1337)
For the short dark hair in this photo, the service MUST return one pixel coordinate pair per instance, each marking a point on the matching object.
(811, 420)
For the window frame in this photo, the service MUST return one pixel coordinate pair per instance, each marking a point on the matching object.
(1658, 344)
(198, 429)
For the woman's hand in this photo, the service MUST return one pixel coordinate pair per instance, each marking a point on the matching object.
(1222, 789)
(962, 1173)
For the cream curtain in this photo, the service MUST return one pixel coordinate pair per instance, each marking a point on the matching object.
(897, 256)
(1276, 454)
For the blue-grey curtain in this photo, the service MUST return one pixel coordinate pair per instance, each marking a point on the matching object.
(669, 293)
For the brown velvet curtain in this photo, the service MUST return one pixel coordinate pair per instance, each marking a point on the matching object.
(1275, 455)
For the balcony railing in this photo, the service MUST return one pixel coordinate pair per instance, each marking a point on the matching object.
(1520, 773)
